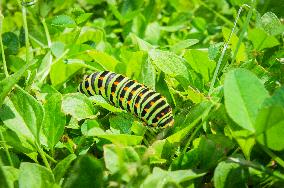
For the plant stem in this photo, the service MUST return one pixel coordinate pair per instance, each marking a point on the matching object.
(257, 167)
(217, 14)
(42, 154)
(223, 53)
(244, 29)
(49, 43)
(6, 149)
(24, 14)
(2, 46)
(274, 156)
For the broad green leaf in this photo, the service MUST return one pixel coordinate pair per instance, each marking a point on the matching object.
(8, 83)
(20, 143)
(169, 63)
(57, 48)
(161, 151)
(99, 100)
(212, 148)
(182, 45)
(271, 24)
(41, 176)
(104, 59)
(187, 161)
(153, 33)
(117, 158)
(159, 177)
(229, 174)
(148, 74)
(61, 72)
(11, 41)
(62, 167)
(44, 68)
(277, 99)
(242, 53)
(200, 62)
(62, 21)
(10, 175)
(14, 114)
(244, 93)
(270, 127)
(261, 40)
(121, 123)
(87, 172)
(78, 106)
(54, 119)
(142, 44)
(120, 139)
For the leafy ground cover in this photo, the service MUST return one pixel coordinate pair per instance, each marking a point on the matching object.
(220, 64)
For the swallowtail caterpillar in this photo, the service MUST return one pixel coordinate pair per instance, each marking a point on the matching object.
(129, 95)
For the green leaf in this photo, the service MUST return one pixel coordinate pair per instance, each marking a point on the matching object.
(271, 24)
(241, 55)
(107, 61)
(54, 119)
(99, 100)
(8, 83)
(200, 62)
(244, 93)
(11, 41)
(228, 174)
(60, 72)
(261, 40)
(57, 49)
(117, 158)
(270, 127)
(148, 74)
(62, 167)
(212, 148)
(41, 176)
(182, 45)
(277, 99)
(62, 21)
(44, 67)
(159, 177)
(122, 123)
(87, 172)
(9, 176)
(14, 114)
(78, 106)
(169, 63)
(122, 139)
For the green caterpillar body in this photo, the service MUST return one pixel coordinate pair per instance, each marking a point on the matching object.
(129, 95)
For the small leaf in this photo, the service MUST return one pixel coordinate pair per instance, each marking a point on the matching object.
(244, 94)
(41, 176)
(261, 40)
(62, 21)
(99, 100)
(54, 119)
(62, 167)
(78, 106)
(228, 174)
(87, 172)
(169, 63)
(9, 176)
(159, 177)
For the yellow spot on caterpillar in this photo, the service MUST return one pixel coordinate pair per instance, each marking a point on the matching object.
(115, 83)
(163, 113)
(101, 78)
(140, 95)
(88, 88)
(152, 103)
(121, 99)
(132, 92)
(112, 93)
(129, 102)
(136, 105)
(146, 109)
(125, 89)
(158, 118)
(102, 88)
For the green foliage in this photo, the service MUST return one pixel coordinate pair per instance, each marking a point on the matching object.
(221, 72)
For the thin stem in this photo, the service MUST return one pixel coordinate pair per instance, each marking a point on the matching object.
(217, 14)
(2, 46)
(257, 167)
(244, 29)
(42, 154)
(6, 149)
(274, 156)
(49, 43)
(24, 14)
(223, 53)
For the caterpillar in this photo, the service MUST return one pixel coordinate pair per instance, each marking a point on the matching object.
(129, 95)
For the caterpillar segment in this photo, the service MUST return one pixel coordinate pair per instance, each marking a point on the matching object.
(129, 95)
